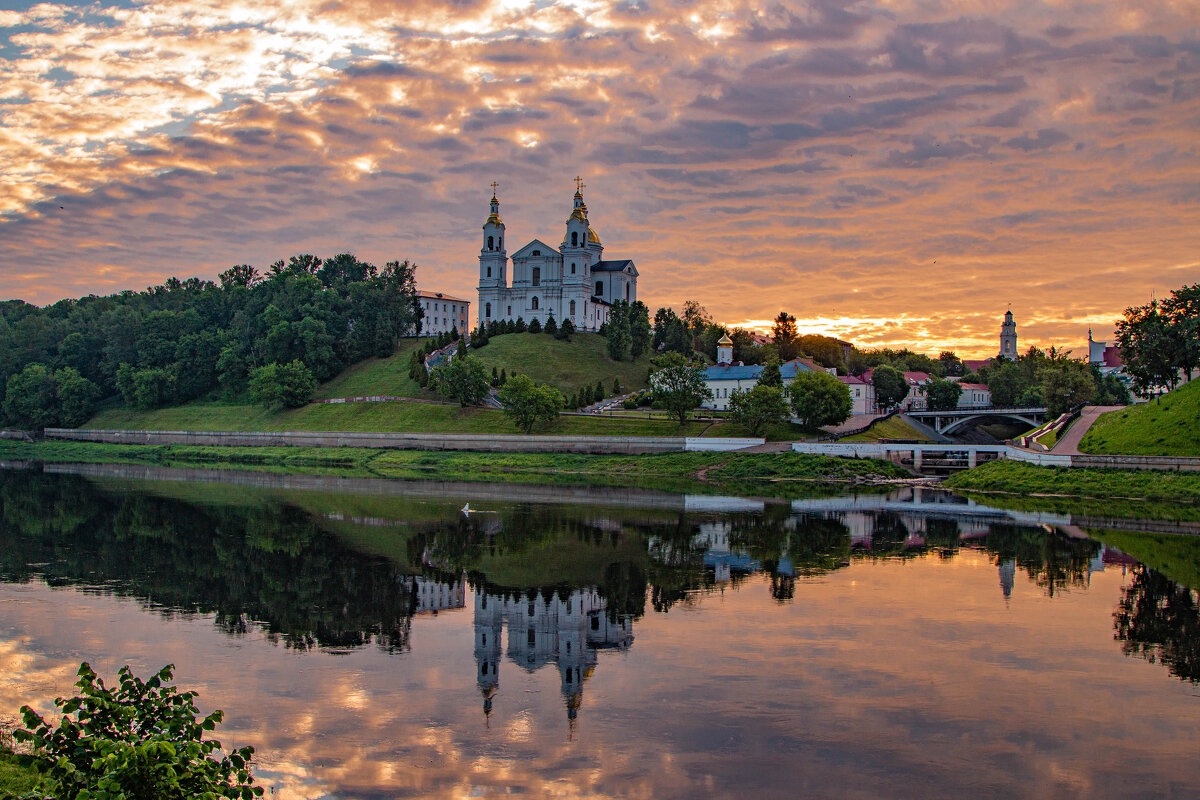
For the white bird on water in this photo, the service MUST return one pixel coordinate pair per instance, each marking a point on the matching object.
(467, 509)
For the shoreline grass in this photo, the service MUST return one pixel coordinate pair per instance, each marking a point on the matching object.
(1104, 485)
(775, 474)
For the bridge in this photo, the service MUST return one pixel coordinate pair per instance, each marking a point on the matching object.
(948, 421)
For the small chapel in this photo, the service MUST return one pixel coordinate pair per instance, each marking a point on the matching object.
(573, 281)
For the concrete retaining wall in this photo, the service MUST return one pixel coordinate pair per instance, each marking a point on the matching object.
(883, 450)
(20, 436)
(495, 443)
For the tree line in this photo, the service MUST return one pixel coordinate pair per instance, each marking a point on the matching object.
(1160, 341)
(273, 335)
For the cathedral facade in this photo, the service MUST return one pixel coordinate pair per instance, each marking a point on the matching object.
(573, 281)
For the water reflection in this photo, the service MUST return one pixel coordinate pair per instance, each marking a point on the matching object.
(681, 640)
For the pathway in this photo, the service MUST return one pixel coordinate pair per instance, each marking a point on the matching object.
(1068, 444)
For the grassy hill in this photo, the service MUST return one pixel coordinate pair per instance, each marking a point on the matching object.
(567, 366)
(1169, 426)
(396, 416)
(378, 376)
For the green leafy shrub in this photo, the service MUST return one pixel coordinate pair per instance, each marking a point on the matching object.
(141, 740)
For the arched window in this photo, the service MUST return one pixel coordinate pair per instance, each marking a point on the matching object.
(627, 293)
(599, 288)
(535, 304)
(572, 267)
(490, 242)
(510, 311)
(536, 253)
(488, 310)
(572, 308)
(537, 276)
(574, 238)
(501, 242)
(489, 272)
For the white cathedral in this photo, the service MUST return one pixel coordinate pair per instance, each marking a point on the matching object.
(572, 282)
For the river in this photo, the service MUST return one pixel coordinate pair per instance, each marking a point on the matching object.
(372, 640)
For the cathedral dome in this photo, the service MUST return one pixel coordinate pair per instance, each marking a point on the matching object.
(593, 237)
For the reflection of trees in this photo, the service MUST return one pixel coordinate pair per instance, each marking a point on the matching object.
(808, 544)
(266, 566)
(1054, 561)
(1158, 620)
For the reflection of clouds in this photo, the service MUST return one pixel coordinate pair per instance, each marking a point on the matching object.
(886, 147)
(887, 683)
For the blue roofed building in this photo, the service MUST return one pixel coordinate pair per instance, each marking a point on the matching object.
(724, 378)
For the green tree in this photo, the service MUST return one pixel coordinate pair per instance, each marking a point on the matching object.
(757, 408)
(31, 398)
(289, 385)
(551, 326)
(463, 379)
(140, 740)
(75, 395)
(770, 375)
(535, 326)
(783, 332)
(1066, 385)
(1008, 383)
(566, 330)
(943, 395)
(527, 402)
(951, 364)
(1147, 350)
(616, 332)
(639, 329)
(678, 385)
(818, 398)
(891, 387)
(695, 316)
(1182, 311)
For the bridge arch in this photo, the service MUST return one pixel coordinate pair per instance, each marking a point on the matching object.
(1032, 420)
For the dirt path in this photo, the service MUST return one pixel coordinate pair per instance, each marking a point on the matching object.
(1068, 445)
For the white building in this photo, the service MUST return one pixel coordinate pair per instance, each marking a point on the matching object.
(862, 394)
(974, 395)
(725, 379)
(572, 281)
(443, 313)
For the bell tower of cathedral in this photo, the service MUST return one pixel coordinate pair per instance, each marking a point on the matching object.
(493, 260)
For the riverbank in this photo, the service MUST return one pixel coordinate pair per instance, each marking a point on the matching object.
(1106, 485)
(775, 474)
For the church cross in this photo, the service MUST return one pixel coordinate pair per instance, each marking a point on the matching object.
(494, 185)
(579, 184)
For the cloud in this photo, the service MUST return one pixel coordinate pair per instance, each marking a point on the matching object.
(837, 143)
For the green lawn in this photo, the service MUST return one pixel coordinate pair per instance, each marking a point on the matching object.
(14, 777)
(891, 428)
(396, 416)
(378, 376)
(1169, 426)
(1106, 484)
(565, 365)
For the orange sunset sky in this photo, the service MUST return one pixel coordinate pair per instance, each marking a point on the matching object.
(894, 172)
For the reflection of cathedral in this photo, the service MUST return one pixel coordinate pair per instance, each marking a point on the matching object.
(434, 596)
(566, 632)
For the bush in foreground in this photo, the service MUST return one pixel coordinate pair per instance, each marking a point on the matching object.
(141, 739)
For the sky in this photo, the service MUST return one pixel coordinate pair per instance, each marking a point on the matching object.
(893, 172)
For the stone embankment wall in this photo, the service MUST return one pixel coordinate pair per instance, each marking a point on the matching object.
(20, 436)
(494, 443)
(974, 453)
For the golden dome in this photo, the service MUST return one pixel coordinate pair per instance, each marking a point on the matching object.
(493, 219)
(725, 341)
(592, 236)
